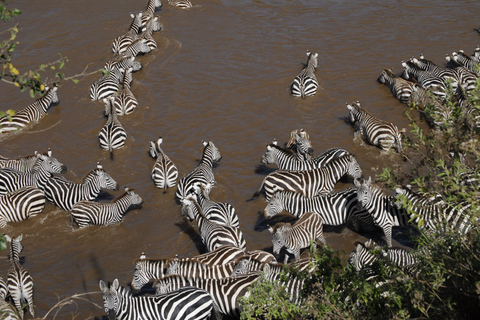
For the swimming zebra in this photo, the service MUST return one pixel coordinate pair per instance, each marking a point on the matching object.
(213, 234)
(19, 280)
(164, 172)
(7, 310)
(64, 193)
(306, 83)
(120, 62)
(335, 208)
(24, 163)
(461, 58)
(31, 113)
(202, 173)
(402, 89)
(380, 133)
(121, 43)
(44, 167)
(106, 86)
(151, 26)
(139, 46)
(112, 135)
(297, 236)
(300, 142)
(21, 204)
(310, 182)
(262, 256)
(86, 213)
(147, 270)
(225, 292)
(182, 304)
(182, 4)
(426, 79)
(124, 101)
(285, 160)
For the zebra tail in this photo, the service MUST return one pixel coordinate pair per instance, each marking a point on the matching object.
(111, 153)
(259, 191)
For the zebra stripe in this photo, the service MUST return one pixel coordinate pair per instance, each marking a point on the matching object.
(113, 135)
(311, 182)
(147, 270)
(21, 204)
(182, 4)
(45, 166)
(300, 142)
(380, 133)
(86, 213)
(292, 284)
(203, 173)
(124, 100)
(120, 62)
(139, 46)
(121, 43)
(262, 256)
(426, 79)
(402, 89)
(19, 280)
(65, 194)
(31, 113)
(439, 71)
(164, 172)
(461, 58)
(221, 255)
(149, 12)
(306, 83)
(297, 236)
(7, 310)
(194, 269)
(23, 164)
(106, 86)
(183, 304)
(151, 26)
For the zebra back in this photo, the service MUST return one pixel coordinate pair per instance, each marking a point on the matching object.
(182, 4)
(124, 100)
(402, 89)
(164, 172)
(119, 62)
(120, 44)
(221, 255)
(306, 83)
(19, 205)
(106, 86)
(24, 163)
(194, 269)
(112, 135)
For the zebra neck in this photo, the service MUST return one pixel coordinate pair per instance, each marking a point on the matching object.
(45, 101)
(123, 202)
(14, 253)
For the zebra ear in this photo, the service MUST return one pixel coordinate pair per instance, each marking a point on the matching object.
(115, 285)
(369, 181)
(99, 166)
(349, 107)
(20, 237)
(270, 229)
(205, 143)
(7, 237)
(49, 152)
(357, 183)
(274, 141)
(102, 286)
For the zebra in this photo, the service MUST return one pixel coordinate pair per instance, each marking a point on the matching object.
(194, 269)
(45, 166)
(19, 280)
(213, 234)
(121, 43)
(146, 270)
(335, 209)
(164, 172)
(439, 71)
(461, 58)
(183, 304)
(31, 113)
(121, 62)
(380, 133)
(149, 12)
(182, 4)
(139, 46)
(286, 279)
(221, 255)
(300, 142)
(310, 182)
(124, 101)
(262, 256)
(112, 135)
(402, 89)
(64, 193)
(151, 26)
(426, 79)
(21, 204)
(86, 213)
(24, 163)
(225, 292)
(106, 86)
(288, 161)
(297, 236)
(7, 310)
(202, 173)
(306, 84)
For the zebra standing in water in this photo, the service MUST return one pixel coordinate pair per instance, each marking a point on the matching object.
(120, 62)
(139, 46)
(31, 113)
(86, 213)
(149, 12)
(147, 270)
(124, 100)
(426, 79)
(306, 83)
(297, 236)
(182, 4)
(65, 194)
(113, 135)
(300, 142)
(402, 89)
(121, 43)
(164, 172)
(21, 204)
(19, 281)
(203, 173)
(23, 164)
(106, 86)
(152, 25)
(461, 58)
(7, 310)
(183, 304)
(377, 132)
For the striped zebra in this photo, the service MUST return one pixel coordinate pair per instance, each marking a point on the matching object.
(213, 234)
(106, 86)
(225, 292)
(147, 270)
(221, 255)
(306, 83)
(120, 62)
(439, 71)
(21, 204)
(291, 282)
(7, 310)
(19, 280)
(300, 142)
(197, 270)
(64, 193)
(164, 172)
(112, 135)
(124, 101)
(139, 46)
(121, 43)
(426, 79)
(203, 173)
(45, 166)
(149, 13)
(402, 89)
(380, 133)
(262, 256)
(310, 182)
(461, 58)
(245, 265)
(303, 233)
(182, 4)
(335, 209)
(86, 213)
(151, 26)
(182, 304)
(24, 163)
(285, 160)
(31, 113)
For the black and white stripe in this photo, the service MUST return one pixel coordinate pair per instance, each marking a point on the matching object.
(31, 113)
(182, 304)
(64, 193)
(7, 310)
(402, 89)
(86, 213)
(21, 204)
(152, 25)
(461, 58)
(306, 83)
(147, 270)
(139, 46)
(310, 182)
(221, 255)
(380, 133)
(300, 143)
(182, 4)
(297, 236)
(443, 72)
(106, 86)
(24, 163)
(426, 79)
(120, 62)
(112, 135)
(149, 13)
(194, 269)
(124, 100)
(120, 44)
(164, 172)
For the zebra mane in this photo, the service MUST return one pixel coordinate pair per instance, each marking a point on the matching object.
(166, 260)
(127, 191)
(282, 226)
(93, 171)
(276, 146)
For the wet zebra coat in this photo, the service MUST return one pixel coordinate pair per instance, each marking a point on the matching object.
(306, 83)
(112, 135)
(21, 204)
(164, 172)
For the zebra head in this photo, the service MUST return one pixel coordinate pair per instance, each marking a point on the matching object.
(354, 111)
(142, 274)
(241, 266)
(105, 180)
(274, 206)
(51, 164)
(353, 168)
(279, 234)
(364, 192)
(189, 207)
(153, 148)
(312, 59)
(360, 256)
(211, 151)
(135, 199)
(269, 155)
(386, 76)
(112, 298)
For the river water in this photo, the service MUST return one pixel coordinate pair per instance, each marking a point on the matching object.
(222, 73)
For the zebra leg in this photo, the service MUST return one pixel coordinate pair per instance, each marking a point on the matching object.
(388, 234)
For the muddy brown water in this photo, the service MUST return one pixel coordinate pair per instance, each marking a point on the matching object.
(222, 73)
